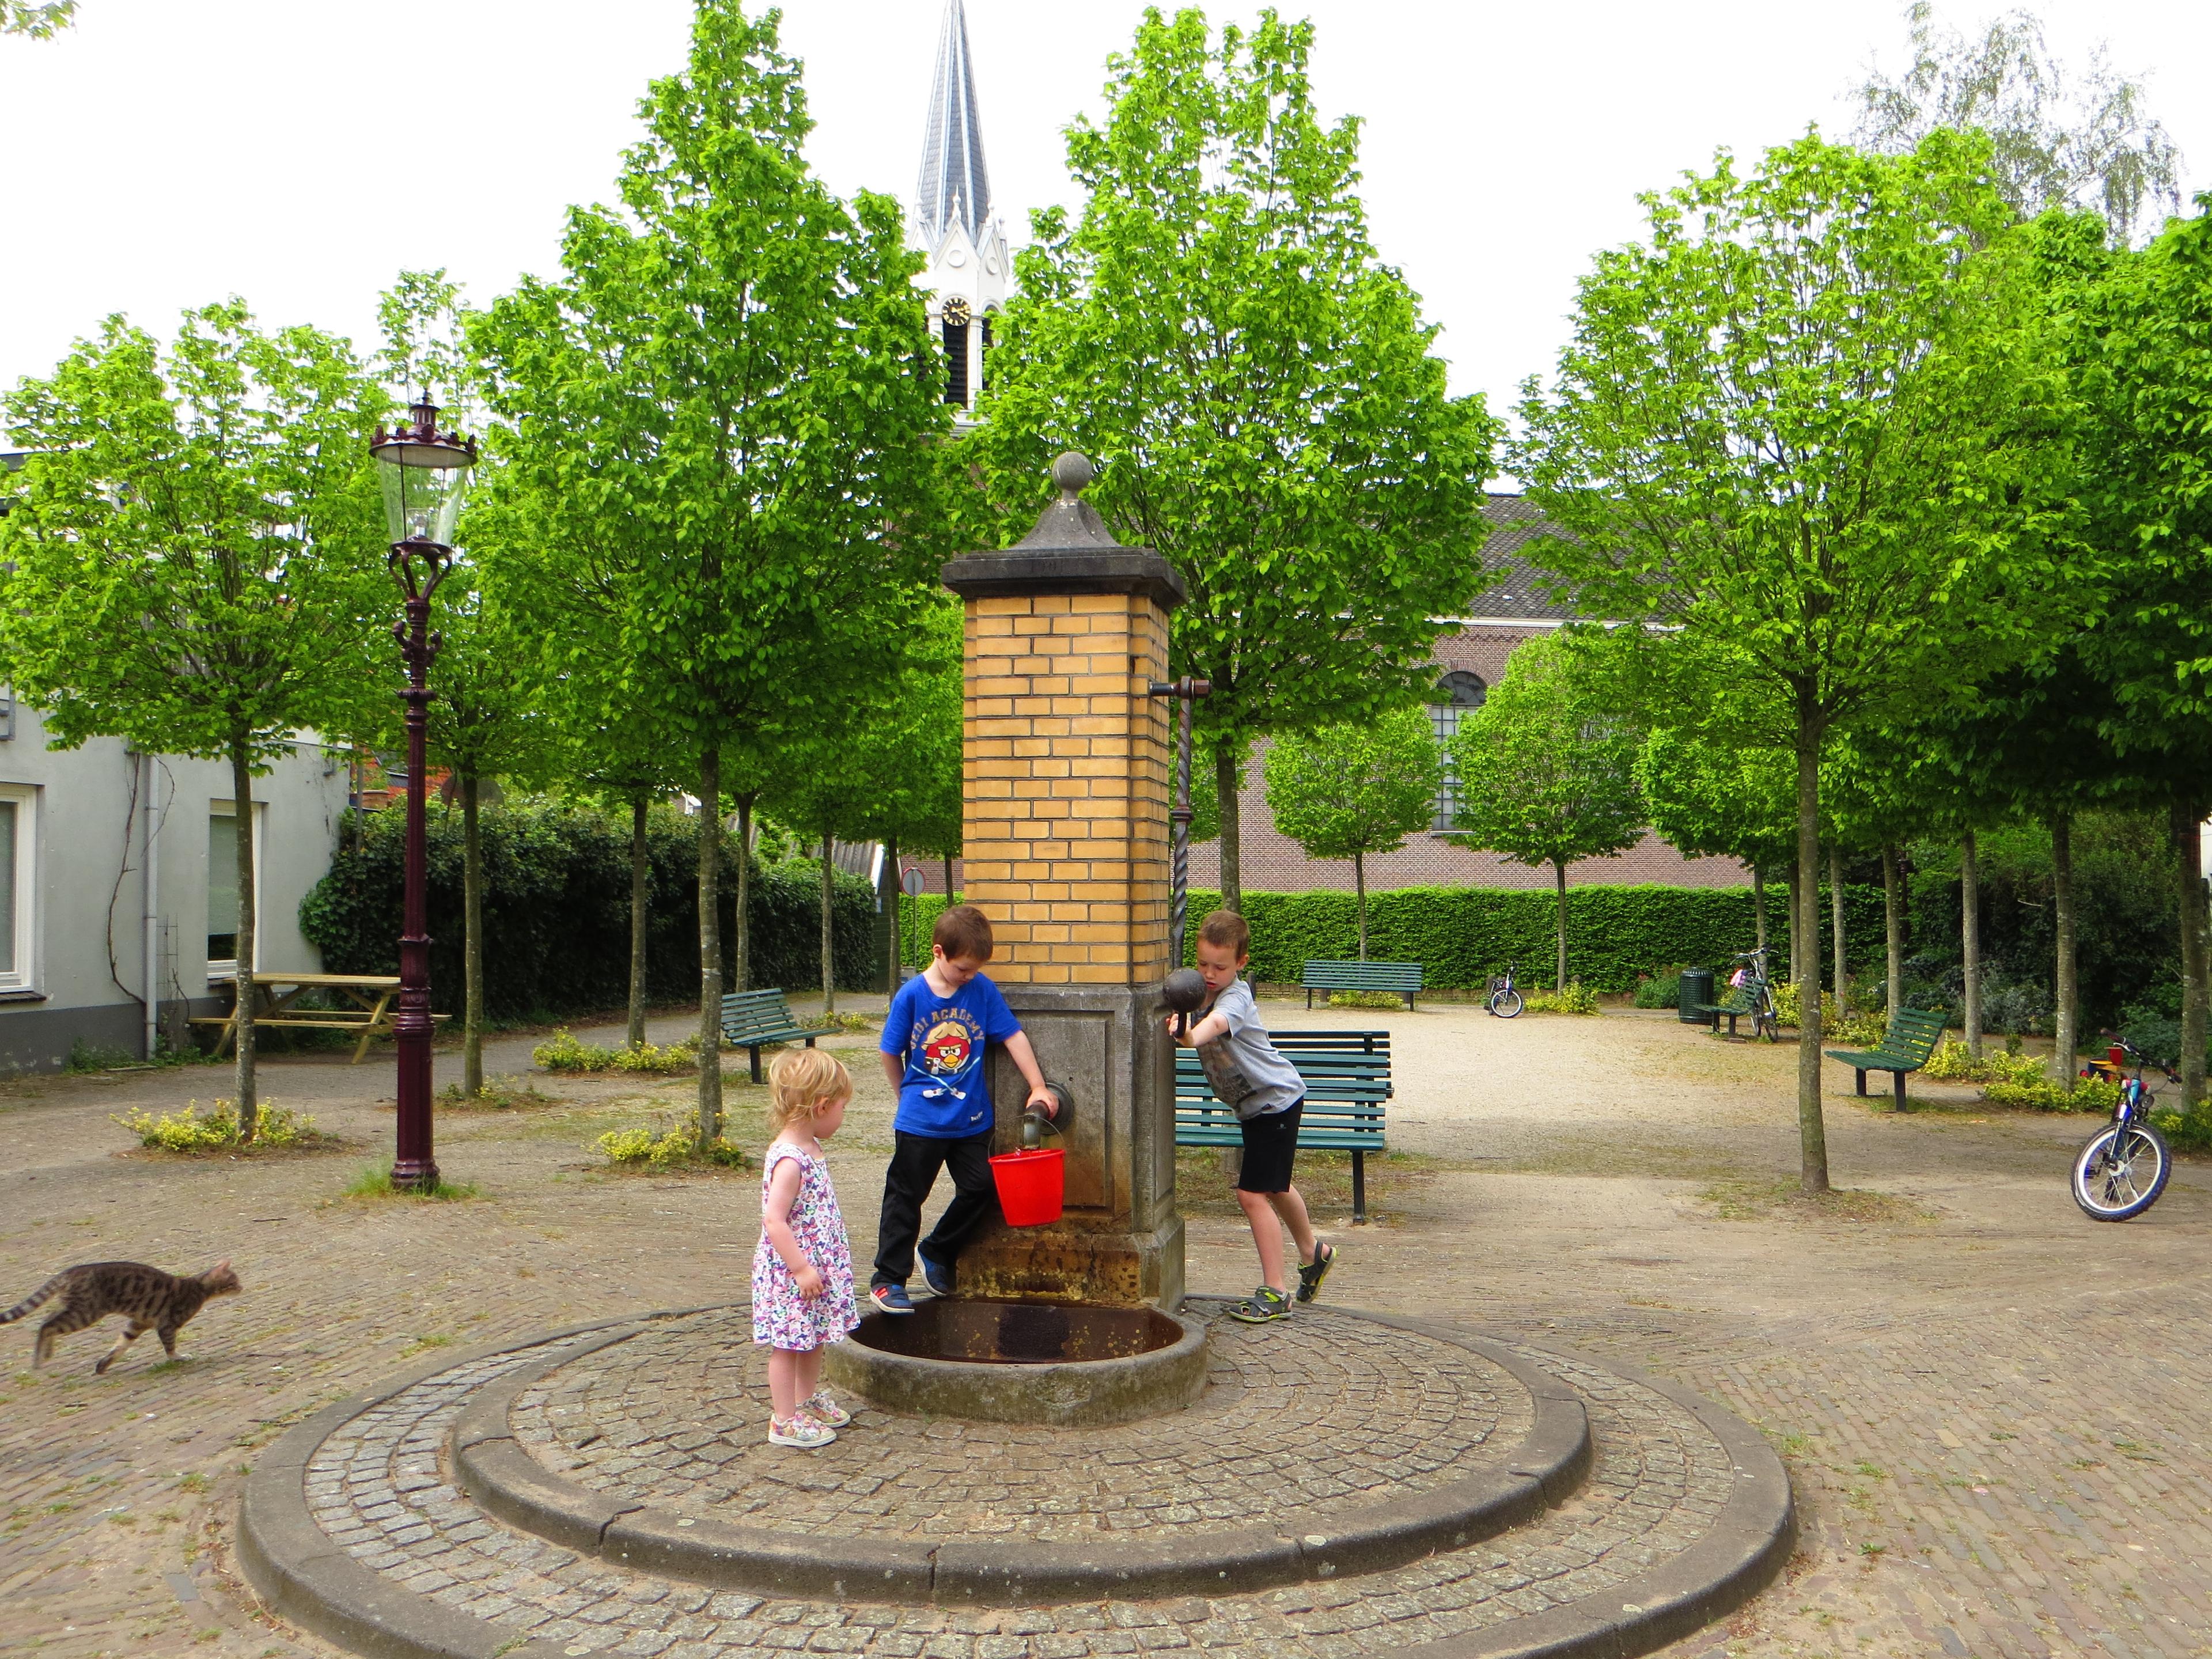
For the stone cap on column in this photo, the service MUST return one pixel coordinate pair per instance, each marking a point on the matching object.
(1070, 552)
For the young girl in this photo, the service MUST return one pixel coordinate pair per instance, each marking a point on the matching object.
(802, 1268)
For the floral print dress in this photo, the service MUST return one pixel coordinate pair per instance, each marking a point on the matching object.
(781, 1317)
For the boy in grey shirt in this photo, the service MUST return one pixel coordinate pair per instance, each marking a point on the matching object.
(1246, 1074)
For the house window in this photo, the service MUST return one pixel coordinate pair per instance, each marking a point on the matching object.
(222, 907)
(1456, 693)
(19, 805)
(983, 362)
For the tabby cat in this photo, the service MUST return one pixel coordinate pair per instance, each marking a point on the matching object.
(151, 1299)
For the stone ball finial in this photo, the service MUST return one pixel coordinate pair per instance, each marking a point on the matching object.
(1072, 471)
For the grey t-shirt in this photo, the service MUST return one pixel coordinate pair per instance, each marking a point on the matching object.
(1242, 1066)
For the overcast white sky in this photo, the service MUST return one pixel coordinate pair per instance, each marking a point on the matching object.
(169, 152)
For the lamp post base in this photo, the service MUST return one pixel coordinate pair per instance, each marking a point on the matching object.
(414, 1176)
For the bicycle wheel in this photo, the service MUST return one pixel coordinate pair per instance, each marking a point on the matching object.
(1505, 1005)
(2120, 1171)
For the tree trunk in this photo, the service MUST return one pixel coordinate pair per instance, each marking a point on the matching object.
(1797, 930)
(1758, 903)
(1892, 927)
(1232, 838)
(242, 794)
(898, 892)
(471, 942)
(1805, 927)
(742, 946)
(1970, 937)
(1559, 878)
(641, 898)
(2066, 1050)
(1836, 914)
(828, 930)
(1360, 881)
(710, 941)
(2196, 993)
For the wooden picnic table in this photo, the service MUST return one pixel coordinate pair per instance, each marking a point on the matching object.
(371, 996)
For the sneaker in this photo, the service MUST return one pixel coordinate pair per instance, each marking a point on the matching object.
(939, 1279)
(800, 1431)
(826, 1411)
(1310, 1275)
(1263, 1307)
(891, 1299)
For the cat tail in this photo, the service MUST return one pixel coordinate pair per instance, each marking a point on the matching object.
(29, 1303)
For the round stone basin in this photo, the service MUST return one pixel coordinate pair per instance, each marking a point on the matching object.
(1024, 1361)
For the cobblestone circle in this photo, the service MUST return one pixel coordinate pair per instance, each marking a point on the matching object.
(1319, 1413)
(377, 1489)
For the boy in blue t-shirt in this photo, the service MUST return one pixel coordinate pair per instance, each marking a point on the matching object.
(940, 1022)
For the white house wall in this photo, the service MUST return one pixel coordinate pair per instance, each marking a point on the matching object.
(88, 885)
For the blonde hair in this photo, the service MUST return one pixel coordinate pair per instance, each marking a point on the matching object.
(801, 1082)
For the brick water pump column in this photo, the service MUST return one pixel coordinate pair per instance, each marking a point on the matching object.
(1065, 769)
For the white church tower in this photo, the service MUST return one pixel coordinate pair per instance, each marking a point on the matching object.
(968, 263)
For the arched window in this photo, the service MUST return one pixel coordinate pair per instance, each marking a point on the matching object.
(955, 324)
(1455, 693)
(983, 356)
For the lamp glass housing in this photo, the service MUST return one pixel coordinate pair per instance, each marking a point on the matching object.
(422, 498)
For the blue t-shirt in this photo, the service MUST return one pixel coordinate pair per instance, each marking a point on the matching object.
(945, 1094)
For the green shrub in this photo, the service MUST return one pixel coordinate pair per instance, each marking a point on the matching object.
(187, 1131)
(556, 911)
(562, 1051)
(670, 1147)
(1951, 1063)
(2189, 1132)
(1365, 1000)
(1663, 989)
(2032, 1089)
(1576, 998)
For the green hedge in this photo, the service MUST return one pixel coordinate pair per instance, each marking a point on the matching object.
(556, 911)
(1462, 935)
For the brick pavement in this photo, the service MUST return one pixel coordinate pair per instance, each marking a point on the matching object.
(1990, 1406)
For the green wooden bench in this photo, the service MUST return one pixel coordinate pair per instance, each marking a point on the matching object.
(1401, 978)
(1734, 1005)
(1347, 1079)
(1912, 1036)
(753, 1019)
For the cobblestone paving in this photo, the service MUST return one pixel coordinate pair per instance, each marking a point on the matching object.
(376, 1486)
(1324, 1411)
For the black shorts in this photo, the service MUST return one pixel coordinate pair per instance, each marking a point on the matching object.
(1271, 1141)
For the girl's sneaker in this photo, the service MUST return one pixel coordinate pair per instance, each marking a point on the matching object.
(1311, 1274)
(1264, 1306)
(826, 1411)
(799, 1430)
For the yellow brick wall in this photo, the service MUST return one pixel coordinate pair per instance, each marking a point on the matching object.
(1065, 775)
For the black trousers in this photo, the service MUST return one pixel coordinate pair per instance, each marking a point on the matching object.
(916, 1160)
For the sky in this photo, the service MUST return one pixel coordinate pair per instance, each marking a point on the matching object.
(300, 152)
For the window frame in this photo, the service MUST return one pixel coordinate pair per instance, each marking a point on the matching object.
(225, 971)
(25, 975)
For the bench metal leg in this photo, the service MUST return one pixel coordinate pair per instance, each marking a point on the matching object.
(1358, 1186)
(754, 1050)
(1862, 1082)
(1309, 999)
(1901, 1106)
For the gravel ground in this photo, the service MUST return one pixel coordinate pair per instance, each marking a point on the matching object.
(1989, 1405)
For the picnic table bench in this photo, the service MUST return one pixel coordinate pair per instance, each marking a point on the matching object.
(1399, 979)
(371, 994)
(1911, 1038)
(1347, 1079)
(752, 1020)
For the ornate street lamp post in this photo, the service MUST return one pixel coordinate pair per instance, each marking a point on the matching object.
(422, 472)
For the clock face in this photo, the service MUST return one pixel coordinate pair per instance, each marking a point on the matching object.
(955, 310)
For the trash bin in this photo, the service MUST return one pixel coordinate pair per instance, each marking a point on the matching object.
(1697, 988)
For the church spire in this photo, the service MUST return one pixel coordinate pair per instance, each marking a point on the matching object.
(956, 188)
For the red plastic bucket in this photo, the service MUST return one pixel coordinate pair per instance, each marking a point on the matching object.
(1030, 1185)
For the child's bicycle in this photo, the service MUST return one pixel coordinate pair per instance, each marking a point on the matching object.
(2121, 1170)
(1504, 996)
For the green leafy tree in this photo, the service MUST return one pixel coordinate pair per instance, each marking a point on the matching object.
(1813, 430)
(1347, 790)
(718, 407)
(908, 754)
(1259, 389)
(194, 561)
(39, 22)
(1712, 795)
(2057, 138)
(1547, 773)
